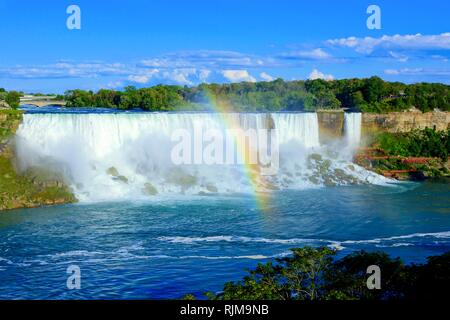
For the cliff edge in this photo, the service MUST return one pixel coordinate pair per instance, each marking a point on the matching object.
(31, 189)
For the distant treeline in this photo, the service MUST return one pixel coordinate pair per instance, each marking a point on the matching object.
(368, 95)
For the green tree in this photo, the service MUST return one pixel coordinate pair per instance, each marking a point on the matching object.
(13, 99)
(304, 271)
(357, 100)
(373, 89)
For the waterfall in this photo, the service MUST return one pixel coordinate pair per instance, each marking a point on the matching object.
(128, 155)
(352, 129)
(303, 127)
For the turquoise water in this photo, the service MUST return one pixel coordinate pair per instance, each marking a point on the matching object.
(167, 248)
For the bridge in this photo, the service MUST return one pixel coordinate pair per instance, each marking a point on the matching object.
(41, 101)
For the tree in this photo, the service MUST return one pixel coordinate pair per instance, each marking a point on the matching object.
(304, 271)
(13, 99)
(357, 100)
(79, 98)
(347, 277)
(373, 89)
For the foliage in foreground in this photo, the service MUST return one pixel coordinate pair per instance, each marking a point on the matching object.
(315, 274)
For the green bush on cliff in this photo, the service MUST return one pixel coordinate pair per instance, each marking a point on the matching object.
(418, 143)
(9, 121)
(16, 190)
(13, 99)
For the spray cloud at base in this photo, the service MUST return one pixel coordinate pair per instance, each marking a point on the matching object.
(107, 157)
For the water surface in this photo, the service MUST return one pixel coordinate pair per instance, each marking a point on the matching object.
(166, 248)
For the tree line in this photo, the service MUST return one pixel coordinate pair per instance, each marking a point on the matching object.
(367, 95)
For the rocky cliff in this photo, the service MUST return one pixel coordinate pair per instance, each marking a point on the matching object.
(404, 121)
(9, 122)
(331, 123)
(33, 188)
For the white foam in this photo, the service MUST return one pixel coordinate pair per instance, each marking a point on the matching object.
(332, 243)
(191, 240)
(438, 235)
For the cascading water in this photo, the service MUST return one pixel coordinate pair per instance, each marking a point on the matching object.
(352, 129)
(128, 156)
(303, 128)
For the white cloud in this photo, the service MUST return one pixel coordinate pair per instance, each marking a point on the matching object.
(417, 71)
(266, 77)
(180, 76)
(207, 59)
(143, 76)
(316, 74)
(139, 79)
(398, 56)
(407, 42)
(165, 62)
(115, 84)
(66, 70)
(439, 57)
(204, 74)
(315, 54)
(238, 76)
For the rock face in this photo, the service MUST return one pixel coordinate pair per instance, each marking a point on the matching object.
(33, 188)
(331, 125)
(4, 105)
(9, 122)
(404, 121)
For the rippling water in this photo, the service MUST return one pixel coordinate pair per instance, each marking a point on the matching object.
(167, 248)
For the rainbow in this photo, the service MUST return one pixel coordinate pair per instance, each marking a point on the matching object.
(222, 108)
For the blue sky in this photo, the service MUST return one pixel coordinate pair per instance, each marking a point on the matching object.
(142, 43)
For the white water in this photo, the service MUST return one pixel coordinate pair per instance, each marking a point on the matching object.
(352, 129)
(128, 156)
(302, 127)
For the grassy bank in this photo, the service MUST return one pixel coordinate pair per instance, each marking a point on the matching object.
(30, 189)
